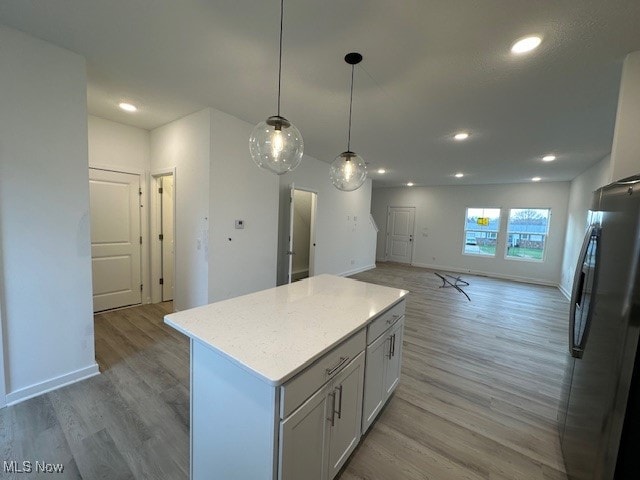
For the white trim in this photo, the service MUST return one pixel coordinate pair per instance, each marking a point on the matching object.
(3, 384)
(413, 233)
(357, 270)
(145, 254)
(119, 169)
(52, 384)
(514, 278)
(564, 292)
(154, 242)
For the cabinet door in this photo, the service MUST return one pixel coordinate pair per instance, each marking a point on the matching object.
(374, 388)
(394, 361)
(303, 439)
(346, 402)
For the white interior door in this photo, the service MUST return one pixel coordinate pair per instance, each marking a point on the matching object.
(166, 230)
(400, 227)
(115, 239)
(291, 221)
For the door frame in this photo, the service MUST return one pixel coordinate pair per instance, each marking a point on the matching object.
(413, 232)
(312, 230)
(3, 384)
(144, 222)
(155, 243)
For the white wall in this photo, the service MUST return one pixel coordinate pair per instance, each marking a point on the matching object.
(118, 147)
(440, 216)
(580, 197)
(44, 216)
(241, 261)
(625, 153)
(186, 145)
(124, 148)
(343, 246)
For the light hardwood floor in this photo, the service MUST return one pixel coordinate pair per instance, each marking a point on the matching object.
(477, 398)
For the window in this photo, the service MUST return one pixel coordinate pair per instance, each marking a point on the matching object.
(481, 228)
(527, 233)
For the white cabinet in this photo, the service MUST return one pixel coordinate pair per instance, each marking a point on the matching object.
(382, 372)
(318, 437)
(394, 359)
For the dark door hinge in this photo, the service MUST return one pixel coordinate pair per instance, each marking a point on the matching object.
(162, 281)
(140, 240)
(160, 190)
(140, 191)
(140, 287)
(161, 237)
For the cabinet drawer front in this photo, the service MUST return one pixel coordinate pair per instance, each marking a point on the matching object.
(384, 321)
(303, 385)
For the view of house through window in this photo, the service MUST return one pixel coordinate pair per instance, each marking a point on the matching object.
(481, 231)
(527, 233)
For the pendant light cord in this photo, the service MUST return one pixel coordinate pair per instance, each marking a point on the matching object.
(350, 108)
(280, 55)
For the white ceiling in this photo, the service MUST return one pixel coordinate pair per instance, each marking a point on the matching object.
(430, 68)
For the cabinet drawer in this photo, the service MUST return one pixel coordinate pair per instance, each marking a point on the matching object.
(384, 321)
(303, 385)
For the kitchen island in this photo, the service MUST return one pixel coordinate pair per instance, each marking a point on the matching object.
(284, 381)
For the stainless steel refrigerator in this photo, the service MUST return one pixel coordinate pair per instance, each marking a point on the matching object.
(599, 418)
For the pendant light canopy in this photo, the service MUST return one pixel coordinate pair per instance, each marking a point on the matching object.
(276, 144)
(348, 171)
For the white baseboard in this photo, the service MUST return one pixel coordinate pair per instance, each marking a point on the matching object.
(564, 292)
(514, 278)
(357, 270)
(52, 384)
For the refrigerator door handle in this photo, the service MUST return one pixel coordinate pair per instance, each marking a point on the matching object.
(593, 234)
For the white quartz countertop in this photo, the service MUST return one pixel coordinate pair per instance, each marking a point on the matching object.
(276, 333)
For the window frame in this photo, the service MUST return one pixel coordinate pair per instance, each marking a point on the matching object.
(486, 232)
(544, 235)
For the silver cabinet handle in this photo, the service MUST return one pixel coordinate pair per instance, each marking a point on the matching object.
(339, 412)
(390, 346)
(393, 345)
(343, 360)
(393, 318)
(333, 409)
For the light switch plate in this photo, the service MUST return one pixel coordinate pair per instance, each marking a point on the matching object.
(239, 224)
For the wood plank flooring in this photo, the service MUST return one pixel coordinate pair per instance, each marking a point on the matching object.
(480, 383)
(477, 398)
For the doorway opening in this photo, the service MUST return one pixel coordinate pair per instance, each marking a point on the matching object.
(400, 227)
(116, 239)
(302, 234)
(163, 238)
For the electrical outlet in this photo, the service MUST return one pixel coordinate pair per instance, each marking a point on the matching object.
(239, 224)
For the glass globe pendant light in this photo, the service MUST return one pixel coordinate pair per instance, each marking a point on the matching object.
(276, 144)
(348, 171)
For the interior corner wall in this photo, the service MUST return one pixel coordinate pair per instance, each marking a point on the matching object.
(625, 153)
(241, 260)
(345, 236)
(440, 218)
(44, 217)
(123, 148)
(185, 145)
(580, 198)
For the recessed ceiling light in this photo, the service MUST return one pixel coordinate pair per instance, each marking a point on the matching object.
(127, 107)
(382, 170)
(548, 158)
(536, 179)
(526, 44)
(459, 175)
(410, 184)
(461, 136)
